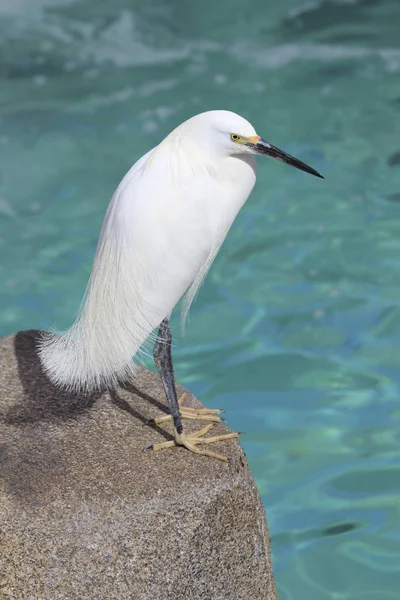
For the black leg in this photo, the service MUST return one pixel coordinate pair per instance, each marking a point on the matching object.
(163, 359)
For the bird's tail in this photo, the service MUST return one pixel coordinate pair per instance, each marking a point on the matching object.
(76, 361)
(97, 351)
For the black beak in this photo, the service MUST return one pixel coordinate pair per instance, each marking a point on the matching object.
(263, 147)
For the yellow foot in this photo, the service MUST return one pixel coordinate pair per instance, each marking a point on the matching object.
(191, 441)
(195, 414)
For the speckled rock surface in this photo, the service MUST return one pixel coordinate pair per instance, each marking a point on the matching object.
(85, 514)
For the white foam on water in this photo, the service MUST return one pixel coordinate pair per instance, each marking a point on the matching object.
(6, 209)
(122, 44)
(10, 7)
(278, 56)
(311, 6)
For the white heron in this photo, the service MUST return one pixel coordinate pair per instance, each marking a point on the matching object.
(162, 230)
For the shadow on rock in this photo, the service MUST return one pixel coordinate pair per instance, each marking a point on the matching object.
(42, 401)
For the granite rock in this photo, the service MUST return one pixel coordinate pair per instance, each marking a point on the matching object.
(86, 514)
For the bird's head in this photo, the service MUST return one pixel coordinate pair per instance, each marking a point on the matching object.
(225, 133)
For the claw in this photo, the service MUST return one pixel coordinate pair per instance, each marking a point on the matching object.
(191, 441)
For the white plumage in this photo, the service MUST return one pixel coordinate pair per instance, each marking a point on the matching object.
(162, 230)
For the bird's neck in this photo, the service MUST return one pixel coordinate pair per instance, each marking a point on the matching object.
(186, 158)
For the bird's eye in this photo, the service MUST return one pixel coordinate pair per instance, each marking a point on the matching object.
(235, 137)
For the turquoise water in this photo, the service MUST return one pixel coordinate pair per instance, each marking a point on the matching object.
(296, 332)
